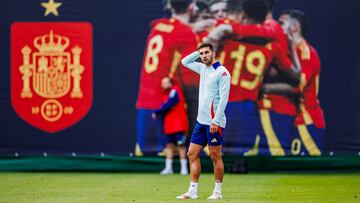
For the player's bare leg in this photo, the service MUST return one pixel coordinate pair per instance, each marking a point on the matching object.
(169, 160)
(183, 160)
(215, 154)
(194, 159)
(195, 169)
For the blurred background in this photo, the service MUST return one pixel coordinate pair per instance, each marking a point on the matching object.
(92, 115)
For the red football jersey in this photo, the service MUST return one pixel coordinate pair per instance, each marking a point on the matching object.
(278, 103)
(247, 62)
(244, 61)
(279, 32)
(202, 35)
(310, 111)
(242, 30)
(168, 41)
(254, 30)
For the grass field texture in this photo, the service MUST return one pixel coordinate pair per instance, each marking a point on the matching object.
(142, 187)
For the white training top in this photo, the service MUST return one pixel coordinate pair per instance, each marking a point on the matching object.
(214, 90)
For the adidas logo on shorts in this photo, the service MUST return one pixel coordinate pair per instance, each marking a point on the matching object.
(214, 140)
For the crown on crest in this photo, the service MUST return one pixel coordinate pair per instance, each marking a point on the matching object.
(51, 42)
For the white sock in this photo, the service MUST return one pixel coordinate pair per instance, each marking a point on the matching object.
(218, 187)
(183, 164)
(193, 187)
(168, 164)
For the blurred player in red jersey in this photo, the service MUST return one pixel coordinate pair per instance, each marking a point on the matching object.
(277, 112)
(216, 23)
(231, 26)
(218, 9)
(173, 110)
(168, 41)
(310, 121)
(202, 15)
(248, 60)
(226, 46)
(271, 22)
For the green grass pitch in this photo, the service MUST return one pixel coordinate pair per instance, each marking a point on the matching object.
(149, 187)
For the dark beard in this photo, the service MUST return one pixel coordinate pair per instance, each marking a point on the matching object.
(209, 63)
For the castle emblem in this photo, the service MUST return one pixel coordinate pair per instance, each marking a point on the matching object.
(51, 71)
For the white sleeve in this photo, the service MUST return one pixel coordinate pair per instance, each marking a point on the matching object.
(190, 63)
(224, 90)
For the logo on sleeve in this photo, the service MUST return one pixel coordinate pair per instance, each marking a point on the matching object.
(224, 74)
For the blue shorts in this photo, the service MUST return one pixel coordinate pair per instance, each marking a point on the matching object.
(202, 136)
(176, 138)
(307, 140)
(276, 133)
(150, 136)
(242, 127)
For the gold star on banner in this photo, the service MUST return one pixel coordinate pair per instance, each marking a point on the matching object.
(51, 7)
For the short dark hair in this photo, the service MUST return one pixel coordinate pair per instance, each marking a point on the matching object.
(256, 9)
(202, 5)
(271, 4)
(212, 2)
(203, 45)
(180, 6)
(234, 6)
(300, 17)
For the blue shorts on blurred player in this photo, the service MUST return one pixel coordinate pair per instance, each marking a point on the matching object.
(176, 138)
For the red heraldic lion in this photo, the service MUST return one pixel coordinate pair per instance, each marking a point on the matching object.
(51, 73)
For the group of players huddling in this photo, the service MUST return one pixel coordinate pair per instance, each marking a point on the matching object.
(273, 104)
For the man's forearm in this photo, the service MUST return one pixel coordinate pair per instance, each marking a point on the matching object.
(186, 61)
(245, 31)
(169, 104)
(295, 58)
(224, 97)
(295, 70)
(220, 110)
(280, 88)
(189, 62)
